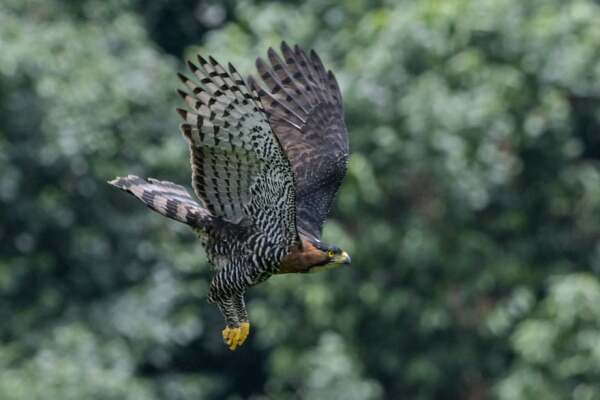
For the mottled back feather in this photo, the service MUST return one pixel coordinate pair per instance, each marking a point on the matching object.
(304, 107)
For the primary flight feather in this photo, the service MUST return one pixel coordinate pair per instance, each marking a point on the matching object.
(267, 161)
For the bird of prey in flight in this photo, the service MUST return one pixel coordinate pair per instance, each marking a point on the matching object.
(267, 160)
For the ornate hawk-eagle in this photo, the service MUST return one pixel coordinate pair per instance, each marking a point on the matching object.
(267, 161)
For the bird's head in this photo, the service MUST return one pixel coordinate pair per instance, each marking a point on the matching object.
(330, 257)
(313, 256)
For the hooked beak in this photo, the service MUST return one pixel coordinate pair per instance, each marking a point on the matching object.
(343, 258)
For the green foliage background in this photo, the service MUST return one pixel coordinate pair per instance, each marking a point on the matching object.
(471, 207)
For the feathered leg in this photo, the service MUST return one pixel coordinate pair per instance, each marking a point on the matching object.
(229, 296)
(236, 320)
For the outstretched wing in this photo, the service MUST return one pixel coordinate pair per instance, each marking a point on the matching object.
(239, 170)
(304, 106)
(164, 197)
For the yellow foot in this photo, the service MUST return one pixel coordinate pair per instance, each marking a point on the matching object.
(235, 337)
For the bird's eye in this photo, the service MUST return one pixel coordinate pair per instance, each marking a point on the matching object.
(330, 253)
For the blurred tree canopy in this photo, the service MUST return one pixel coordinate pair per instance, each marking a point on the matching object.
(471, 206)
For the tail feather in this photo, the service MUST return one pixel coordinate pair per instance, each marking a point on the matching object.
(166, 198)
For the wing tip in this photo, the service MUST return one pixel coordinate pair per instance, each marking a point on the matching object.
(193, 67)
(251, 81)
(201, 59)
(183, 78)
(182, 93)
(260, 63)
(186, 131)
(271, 52)
(212, 60)
(284, 47)
(183, 113)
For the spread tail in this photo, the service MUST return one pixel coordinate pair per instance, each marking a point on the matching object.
(166, 198)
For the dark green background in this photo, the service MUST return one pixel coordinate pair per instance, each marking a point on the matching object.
(471, 206)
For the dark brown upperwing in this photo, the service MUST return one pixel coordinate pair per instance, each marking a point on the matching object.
(304, 107)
